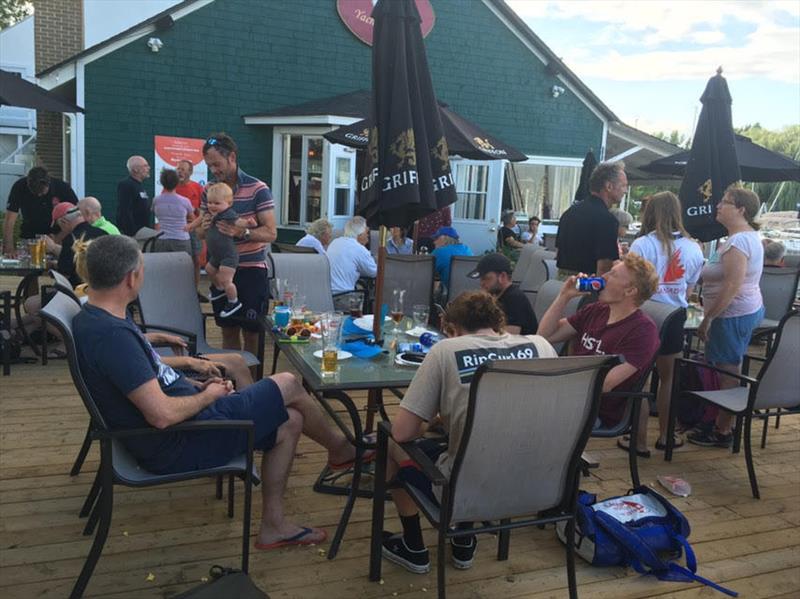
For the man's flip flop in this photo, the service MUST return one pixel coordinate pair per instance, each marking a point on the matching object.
(624, 444)
(298, 539)
(369, 456)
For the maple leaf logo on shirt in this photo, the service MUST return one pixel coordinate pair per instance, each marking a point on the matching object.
(675, 270)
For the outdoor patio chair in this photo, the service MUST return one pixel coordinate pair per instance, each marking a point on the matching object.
(290, 248)
(147, 238)
(551, 270)
(460, 267)
(310, 274)
(663, 315)
(776, 386)
(530, 478)
(168, 302)
(537, 271)
(412, 273)
(524, 262)
(549, 241)
(778, 290)
(118, 467)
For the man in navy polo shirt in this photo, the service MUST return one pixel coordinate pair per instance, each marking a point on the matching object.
(254, 229)
(134, 388)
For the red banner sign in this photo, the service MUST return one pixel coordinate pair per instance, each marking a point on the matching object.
(355, 14)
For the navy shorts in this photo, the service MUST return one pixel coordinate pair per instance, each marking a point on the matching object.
(413, 476)
(253, 291)
(261, 402)
(728, 338)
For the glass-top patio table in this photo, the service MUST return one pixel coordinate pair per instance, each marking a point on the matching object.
(373, 375)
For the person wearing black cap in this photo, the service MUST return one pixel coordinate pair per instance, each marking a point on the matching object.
(494, 272)
(34, 196)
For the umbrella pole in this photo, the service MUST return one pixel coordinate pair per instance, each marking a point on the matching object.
(415, 236)
(377, 321)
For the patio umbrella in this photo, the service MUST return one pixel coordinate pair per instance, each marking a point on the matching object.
(712, 164)
(463, 137)
(15, 91)
(589, 162)
(756, 163)
(407, 166)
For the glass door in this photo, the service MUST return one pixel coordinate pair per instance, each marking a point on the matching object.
(302, 178)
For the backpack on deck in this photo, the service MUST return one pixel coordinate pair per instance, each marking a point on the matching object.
(642, 530)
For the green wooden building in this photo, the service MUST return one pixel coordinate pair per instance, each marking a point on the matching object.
(276, 74)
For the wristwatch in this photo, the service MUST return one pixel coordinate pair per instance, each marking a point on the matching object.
(246, 235)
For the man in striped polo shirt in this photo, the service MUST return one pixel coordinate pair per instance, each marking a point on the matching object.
(256, 227)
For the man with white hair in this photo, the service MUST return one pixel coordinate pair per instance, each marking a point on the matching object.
(133, 202)
(349, 257)
(92, 212)
(318, 236)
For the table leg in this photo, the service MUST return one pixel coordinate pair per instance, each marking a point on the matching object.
(29, 285)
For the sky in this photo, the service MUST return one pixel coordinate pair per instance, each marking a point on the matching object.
(649, 61)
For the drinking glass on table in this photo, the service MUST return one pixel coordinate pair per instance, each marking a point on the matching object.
(397, 309)
(421, 314)
(330, 328)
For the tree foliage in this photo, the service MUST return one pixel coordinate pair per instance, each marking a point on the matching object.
(787, 142)
(13, 11)
(674, 137)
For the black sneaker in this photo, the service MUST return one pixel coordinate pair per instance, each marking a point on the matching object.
(230, 309)
(202, 298)
(463, 551)
(396, 550)
(214, 294)
(710, 439)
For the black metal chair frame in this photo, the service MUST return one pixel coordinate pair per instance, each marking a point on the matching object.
(564, 511)
(744, 418)
(288, 248)
(99, 503)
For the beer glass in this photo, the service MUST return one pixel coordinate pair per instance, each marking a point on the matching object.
(397, 309)
(330, 327)
(421, 314)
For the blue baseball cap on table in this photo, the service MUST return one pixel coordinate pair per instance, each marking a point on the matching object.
(449, 231)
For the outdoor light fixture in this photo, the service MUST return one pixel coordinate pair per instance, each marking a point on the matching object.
(155, 44)
(556, 91)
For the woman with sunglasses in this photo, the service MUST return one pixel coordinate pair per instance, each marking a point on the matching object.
(732, 300)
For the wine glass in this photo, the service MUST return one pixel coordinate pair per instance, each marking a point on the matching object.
(397, 309)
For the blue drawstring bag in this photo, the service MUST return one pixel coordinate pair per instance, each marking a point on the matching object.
(642, 530)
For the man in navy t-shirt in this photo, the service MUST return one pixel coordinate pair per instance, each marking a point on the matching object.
(612, 325)
(134, 388)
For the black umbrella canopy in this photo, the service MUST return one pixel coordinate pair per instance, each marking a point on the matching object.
(712, 164)
(589, 163)
(756, 163)
(463, 137)
(407, 165)
(15, 91)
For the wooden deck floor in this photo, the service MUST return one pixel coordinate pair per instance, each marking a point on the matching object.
(162, 541)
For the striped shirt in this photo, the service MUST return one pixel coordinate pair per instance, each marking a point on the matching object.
(250, 197)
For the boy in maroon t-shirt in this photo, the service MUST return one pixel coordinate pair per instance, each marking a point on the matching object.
(612, 325)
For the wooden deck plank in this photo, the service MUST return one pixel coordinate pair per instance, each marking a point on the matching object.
(177, 532)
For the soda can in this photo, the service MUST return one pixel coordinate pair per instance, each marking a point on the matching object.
(586, 284)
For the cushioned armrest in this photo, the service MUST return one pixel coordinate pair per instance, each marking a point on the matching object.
(740, 377)
(191, 425)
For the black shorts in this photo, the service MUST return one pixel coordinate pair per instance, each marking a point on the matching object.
(253, 291)
(412, 475)
(674, 335)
